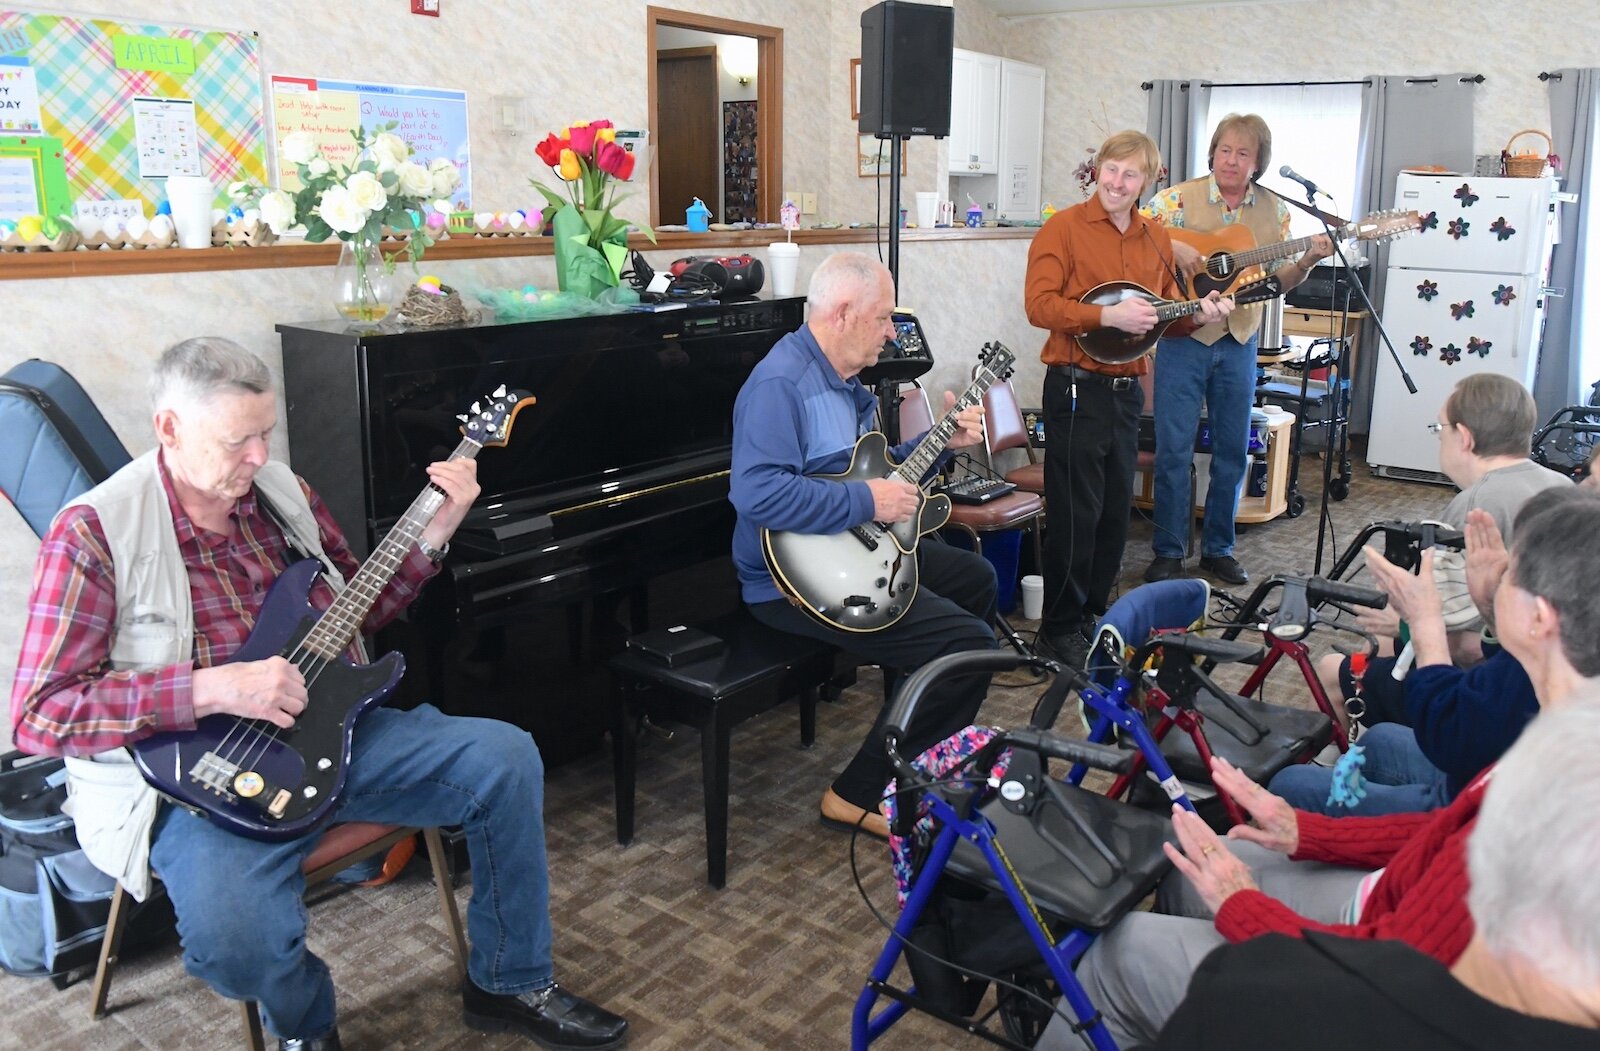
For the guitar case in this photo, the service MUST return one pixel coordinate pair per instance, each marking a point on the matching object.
(63, 445)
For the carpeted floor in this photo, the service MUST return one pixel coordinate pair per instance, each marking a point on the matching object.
(775, 960)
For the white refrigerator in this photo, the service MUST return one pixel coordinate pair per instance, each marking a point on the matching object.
(1464, 295)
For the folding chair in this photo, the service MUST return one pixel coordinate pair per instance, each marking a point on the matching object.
(1053, 863)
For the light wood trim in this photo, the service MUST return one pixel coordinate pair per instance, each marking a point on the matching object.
(23, 266)
(769, 102)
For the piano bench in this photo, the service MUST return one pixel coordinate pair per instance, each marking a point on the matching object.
(759, 668)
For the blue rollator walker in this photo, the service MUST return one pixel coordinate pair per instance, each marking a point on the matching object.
(1033, 866)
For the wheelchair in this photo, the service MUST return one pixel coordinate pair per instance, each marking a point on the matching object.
(1010, 873)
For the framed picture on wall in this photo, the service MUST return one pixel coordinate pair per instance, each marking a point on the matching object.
(855, 89)
(872, 156)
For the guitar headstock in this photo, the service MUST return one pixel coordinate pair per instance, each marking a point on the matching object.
(1258, 291)
(998, 359)
(488, 421)
(1386, 225)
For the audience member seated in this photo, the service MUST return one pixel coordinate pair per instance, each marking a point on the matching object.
(1485, 430)
(146, 586)
(1528, 978)
(1397, 877)
(1461, 720)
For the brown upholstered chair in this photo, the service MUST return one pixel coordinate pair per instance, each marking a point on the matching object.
(340, 847)
(1004, 429)
(1014, 510)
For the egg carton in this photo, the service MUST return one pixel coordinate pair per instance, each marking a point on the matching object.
(135, 233)
(495, 224)
(248, 232)
(65, 240)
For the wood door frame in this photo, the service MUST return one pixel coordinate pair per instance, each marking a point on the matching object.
(769, 102)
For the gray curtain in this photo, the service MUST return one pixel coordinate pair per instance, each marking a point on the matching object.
(1404, 121)
(1559, 380)
(1174, 119)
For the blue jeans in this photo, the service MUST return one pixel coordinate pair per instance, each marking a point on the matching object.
(1399, 778)
(239, 901)
(1223, 375)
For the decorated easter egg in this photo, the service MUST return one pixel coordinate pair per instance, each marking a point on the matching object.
(29, 226)
(437, 220)
(161, 228)
(136, 227)
(515, 220)
(7, 228)
(483, 220)
(112, 225)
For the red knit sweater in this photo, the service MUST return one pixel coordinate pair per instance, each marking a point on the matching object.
(1421, 898)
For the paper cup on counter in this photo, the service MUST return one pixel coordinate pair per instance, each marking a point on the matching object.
(927, 210)
(783, 263)
(191, 197)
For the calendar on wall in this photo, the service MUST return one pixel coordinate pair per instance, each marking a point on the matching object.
(739, 162)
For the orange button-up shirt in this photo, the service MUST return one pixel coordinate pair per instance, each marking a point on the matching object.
(1074, 251)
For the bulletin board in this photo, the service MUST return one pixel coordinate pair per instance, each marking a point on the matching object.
(432, 120)
(131, 97)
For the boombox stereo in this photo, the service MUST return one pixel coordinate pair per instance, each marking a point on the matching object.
(734, 275)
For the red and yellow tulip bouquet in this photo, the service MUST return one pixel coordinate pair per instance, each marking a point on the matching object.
(591, 242)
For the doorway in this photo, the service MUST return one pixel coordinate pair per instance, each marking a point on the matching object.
(686, 95)
(766, 173)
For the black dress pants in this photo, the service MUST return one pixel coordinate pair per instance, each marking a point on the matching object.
(952, 613)
(1090, 453)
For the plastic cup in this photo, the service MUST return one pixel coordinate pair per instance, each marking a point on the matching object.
(191, 197)
(783, 263)
(1032, 596)
(927, 210)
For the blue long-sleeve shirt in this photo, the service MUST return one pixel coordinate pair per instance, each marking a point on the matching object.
(795, 417)
(1466, 720)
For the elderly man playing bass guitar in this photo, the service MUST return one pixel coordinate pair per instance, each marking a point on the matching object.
(1092, 408)
(1216, 363)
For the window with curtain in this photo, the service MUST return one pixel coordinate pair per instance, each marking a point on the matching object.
(1315, 130)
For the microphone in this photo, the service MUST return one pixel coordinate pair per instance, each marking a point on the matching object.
(1289, 173)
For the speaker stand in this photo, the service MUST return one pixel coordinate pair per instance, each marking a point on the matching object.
(895, 142)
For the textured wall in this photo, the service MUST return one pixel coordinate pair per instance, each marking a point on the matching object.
(1093, 88)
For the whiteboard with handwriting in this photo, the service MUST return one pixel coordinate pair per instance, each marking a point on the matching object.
(432, 120)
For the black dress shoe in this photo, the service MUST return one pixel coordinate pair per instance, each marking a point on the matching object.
(1225, 568)
(550, 1017)
(1069, 648)
(1163, 567)
(327, 1042)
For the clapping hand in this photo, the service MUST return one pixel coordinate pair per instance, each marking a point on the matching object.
(1205, 860)
(1487, 560)
(1414, 598)
(1276, 826)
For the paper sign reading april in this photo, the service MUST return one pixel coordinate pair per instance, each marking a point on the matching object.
(153, 53)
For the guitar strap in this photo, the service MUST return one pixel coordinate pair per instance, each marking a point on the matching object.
(291, 539)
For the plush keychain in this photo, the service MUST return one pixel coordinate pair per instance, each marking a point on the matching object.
(1348, 787)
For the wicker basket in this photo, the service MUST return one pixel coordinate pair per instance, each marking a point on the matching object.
(1529, 165)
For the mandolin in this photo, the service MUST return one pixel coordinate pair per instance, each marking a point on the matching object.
(1232, 250)
(248, 775)
(1113, 346)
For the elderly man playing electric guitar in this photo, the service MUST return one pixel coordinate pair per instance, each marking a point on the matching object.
(1092, 404)
(1216, 363)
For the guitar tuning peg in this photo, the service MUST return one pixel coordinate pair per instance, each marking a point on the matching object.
(462, 417)
(500, 391)
(475, 408)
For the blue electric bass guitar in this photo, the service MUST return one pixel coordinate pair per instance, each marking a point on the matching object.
(261, 780)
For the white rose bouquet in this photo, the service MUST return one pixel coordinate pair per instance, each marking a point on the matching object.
(385, 188)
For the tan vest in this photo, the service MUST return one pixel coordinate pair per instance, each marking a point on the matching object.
(111, 804)
(1260, 217)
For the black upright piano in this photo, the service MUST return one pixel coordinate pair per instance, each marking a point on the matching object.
(607, 510)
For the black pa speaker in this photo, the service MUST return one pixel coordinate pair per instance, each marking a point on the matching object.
(906, 52)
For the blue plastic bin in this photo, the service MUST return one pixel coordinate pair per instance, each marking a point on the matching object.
(1003, 549)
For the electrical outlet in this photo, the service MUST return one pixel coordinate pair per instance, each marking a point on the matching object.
(425, 7)
(808, 204)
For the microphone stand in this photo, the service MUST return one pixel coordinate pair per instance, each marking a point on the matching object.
(1337, 394)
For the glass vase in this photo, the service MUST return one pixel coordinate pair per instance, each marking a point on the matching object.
(363, 284)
